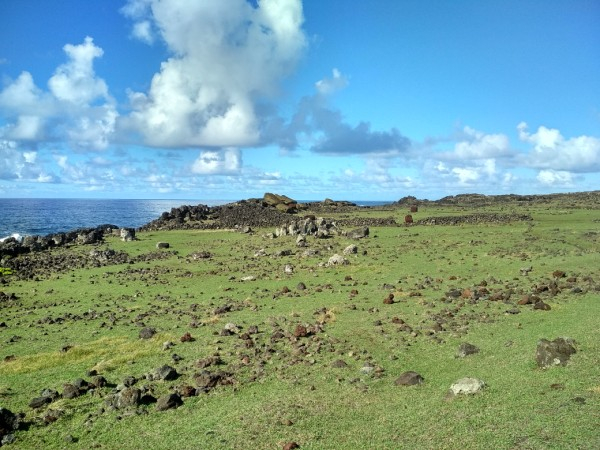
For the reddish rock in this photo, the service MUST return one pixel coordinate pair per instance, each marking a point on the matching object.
(290, 446)
(414, 209)
(300, 331)
(542, 306)
(408, 219)
(525, 300)
(558, 274)
(389, 299)
(187, 391)
(187, 337)
(497, 296)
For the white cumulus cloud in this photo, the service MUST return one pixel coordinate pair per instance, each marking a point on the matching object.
(556, 178)
(226, 57)
(553, 152)
(76, 109)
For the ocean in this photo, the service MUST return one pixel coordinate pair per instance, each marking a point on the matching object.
(28, 216)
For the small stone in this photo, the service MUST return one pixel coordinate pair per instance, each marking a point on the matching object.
(187, 337)
(467, 386)
(339, 364)
(168, 401)
(466, 349)
(161, 245)
(70, 391)
(38, 402)
(300, 331)
(409, 378)
(147, 332)
(130, 396)
(165, 373)
(290, 446)
(542, 306)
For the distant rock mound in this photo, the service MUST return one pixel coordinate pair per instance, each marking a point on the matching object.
(269, 211)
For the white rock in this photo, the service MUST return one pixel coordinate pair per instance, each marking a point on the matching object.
(467, 386)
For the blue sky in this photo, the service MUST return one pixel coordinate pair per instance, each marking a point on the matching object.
(363, 100)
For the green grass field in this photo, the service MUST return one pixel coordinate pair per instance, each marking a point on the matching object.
(281, 388)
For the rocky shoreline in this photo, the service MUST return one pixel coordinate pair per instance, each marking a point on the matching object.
(274, 210)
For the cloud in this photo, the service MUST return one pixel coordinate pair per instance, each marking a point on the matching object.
(228, 161)
(75, 81)
(468, 173)
(227, 57)
(325, 131)
(473, 144)
(143, 31)
(555, 178)
(77, 108)
(343, 139)
(328, 86)
(16, 164)
(553, 152)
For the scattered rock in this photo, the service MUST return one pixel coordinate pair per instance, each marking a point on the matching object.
(339, 364)
(351, 250)
(127, 234)
(187, 337)
(554, 353)
(71, 391)
(39, 402)
(147, 332)
(301, 331)
(162, 245)
(467, 386)
(358, 233)
(466, 349)
(525, 270)
(165, 373)
(409, 378)
(129, 396)
(290, 446)
(168, 401)
(542, 306)
(337, 260)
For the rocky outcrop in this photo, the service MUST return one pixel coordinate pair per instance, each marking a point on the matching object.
(269, 211)
(12, 247)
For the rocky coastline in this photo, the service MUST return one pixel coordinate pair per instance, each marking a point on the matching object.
(275, 210)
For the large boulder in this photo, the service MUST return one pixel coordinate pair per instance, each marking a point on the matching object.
(554, 353)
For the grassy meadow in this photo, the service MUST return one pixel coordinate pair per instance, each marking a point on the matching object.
(281, 385)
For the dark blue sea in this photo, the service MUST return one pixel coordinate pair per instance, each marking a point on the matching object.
(28, 216)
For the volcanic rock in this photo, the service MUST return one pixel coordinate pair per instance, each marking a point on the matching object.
(409, 378)
(168, 401)
(129, 396)
(554, 353)
(147, 332)
(466, 349)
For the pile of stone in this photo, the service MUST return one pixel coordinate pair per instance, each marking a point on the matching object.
(493, 218)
